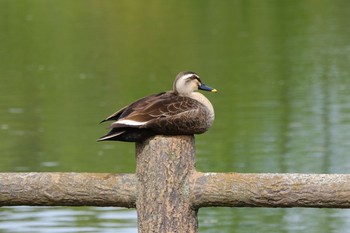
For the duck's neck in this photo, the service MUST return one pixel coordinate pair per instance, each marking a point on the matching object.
(202, 99)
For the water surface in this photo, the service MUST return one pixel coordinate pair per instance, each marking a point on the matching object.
(281, 68)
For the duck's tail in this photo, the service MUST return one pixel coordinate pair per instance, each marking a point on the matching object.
(127, 135)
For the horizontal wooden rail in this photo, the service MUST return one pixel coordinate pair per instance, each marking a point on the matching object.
(67, 189)
(270, 190)
(204, 189)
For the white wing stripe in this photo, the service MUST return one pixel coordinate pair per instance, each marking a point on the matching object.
(130, 122)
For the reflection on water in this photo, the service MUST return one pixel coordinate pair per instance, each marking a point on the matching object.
(281, 67)
(270, 220)
(96, 219)
(40, 219)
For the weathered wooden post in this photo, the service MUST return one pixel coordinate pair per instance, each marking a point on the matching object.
(164, 166)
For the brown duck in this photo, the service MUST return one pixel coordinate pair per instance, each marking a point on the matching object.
(181, 111)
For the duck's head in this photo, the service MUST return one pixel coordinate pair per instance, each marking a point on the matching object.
(187, 82)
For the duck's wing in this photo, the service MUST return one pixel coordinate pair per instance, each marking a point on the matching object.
(125, 111)
(151, 108)
(114, 116)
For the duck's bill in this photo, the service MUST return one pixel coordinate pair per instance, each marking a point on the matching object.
(206, 88)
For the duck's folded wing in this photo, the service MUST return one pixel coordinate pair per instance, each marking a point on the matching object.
(166, 105)
(125, 111)
(115, 115)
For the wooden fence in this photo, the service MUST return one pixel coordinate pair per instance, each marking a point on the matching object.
(167, 191)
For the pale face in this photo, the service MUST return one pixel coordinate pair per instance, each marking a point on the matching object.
(186, 84)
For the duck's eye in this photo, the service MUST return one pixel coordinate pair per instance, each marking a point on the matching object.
(196, 78)
(193, 79)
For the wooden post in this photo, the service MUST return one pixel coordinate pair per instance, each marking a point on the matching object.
(164, 166)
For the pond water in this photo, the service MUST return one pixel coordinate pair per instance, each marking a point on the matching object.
(281, 68)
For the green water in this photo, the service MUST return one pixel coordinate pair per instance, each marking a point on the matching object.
(281, 68)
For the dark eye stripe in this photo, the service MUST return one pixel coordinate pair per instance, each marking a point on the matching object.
(193, 77)
(196, 77)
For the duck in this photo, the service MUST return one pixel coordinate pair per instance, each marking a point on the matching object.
(181, 111)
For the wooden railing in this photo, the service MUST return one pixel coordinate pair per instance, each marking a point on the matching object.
(167, 191)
